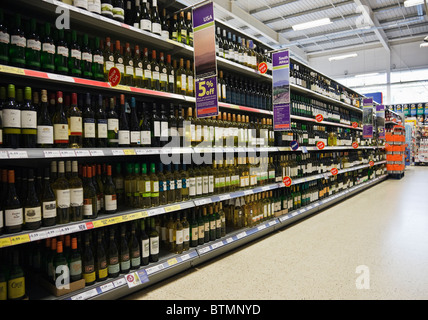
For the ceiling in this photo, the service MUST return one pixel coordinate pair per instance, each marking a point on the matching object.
(271, 22)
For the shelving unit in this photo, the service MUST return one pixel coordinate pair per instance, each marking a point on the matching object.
(169, 264)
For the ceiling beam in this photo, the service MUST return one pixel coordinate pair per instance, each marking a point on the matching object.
(367, 14)
(231, 8)
(276, 5)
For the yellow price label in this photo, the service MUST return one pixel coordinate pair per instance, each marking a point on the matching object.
(172, 261)
(129, 152)
(19, 239)
(121, 87)
(13, 70)
(173, 208)
(5, 242)
(144, 214)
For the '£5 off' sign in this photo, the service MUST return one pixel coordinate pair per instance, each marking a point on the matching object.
(287, 181)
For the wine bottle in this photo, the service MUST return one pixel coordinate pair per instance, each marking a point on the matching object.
(171, 75)
(181, 79)
(75, 261)
(189, 80)
(189, 26)
(89, 127)
(164, 131)
(124, 132)
(146, 139)
(4, 40)
(16, 281)
(60, 264)
(154, 241)
(144, 188)
(87, 58)
(146, 19)
(119, 11)
(48, 50)
(145, 243)
(186, 231)
(101, 124)
(101, 265)
(113, 256)
(45, 132)
(154, 186)
(135, 129)
(129, 72)
(108, 58)
(163, 73)
(76, 194)
(156, 21)
(88, 262)
(107, 8)
(48, 202)
(112, 126)
(136, 14)
(34, 47)
(18, 44)
(32, 207)
(138, 64)
(97, 61)
(182, 29)
(164, 25)
(194, 230)
(124, 253)
(75, 57)
(28, 121)
(129, 12)
(119, 62)
(155, 79)
(13, 211)
(147, 70)
(134, 248)
(11, 118)
(155, 127)
(110, 199)
(118, 181)
(75, 125)
(174, 28)
(60, 123)
(62, 54)
(62, 192)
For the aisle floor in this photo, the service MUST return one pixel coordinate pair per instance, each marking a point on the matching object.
(371, 246)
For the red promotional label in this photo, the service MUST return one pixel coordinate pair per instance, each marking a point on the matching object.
(355, 145)
(263, 67)
(319, 118)
(371, 163)
(354, 125)
(114, 76)
(334, 171)
(320, 145)
(287, 181)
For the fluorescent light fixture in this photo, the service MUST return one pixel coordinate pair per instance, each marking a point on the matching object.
(312, 24)
(424, 45)
(411, 3)
(342, 57)
(366, 75)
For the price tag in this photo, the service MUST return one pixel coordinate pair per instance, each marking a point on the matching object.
(15, 240)
(51, 153)
(97, 153)
(3, 155)
(205, 249)
(173, 208)
(172, 262)
(129, 152)
(185, 257)
(248, 192)
(261, 227)
(52, 233)
(107, 287)
(118, 152)
(120, 282)
(18, 154)
(229, 240)
(202, 202)
(83, 153)
(241, 235)
(68, 153)
(13, 70)
(58, 77)
(217, 245)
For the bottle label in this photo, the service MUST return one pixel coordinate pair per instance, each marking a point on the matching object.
(129, 70)
(156, 28)
(146, 25)
(135, 137)
(157, 128)
(89, 128)
(145, 138)
(179, 237)
(75, 268)
(63, 51)
(165, 34)
(13, 217)
(171, 78)
(154, 245)
(34, 45)
(118, 13)
(4, 37)
(155, 188)
(148, 73)
(120, 67)
(113, 268)
(109, 65)
(49, 209)
(63, 198)
(87, 207)
(164, 77)
(33, 214)
(94, 6)
(190, 83)
(18, 41)
(77, 54)
(98, 59)
(113, 125)
(49, 48)
(28, 119)
(86, 56)
(164, 129)
(124, 137)
(89, 276)
(110, 202)
(11, 118)
(139, 72)
(192, 186)
(16, 288)
(145, 248)
(147, 189)
(76, 197)
(102, 129)
(125, 265)
(183, 82)
(76, 127)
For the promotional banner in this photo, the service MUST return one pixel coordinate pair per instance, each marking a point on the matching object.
(281, 90)
(368, 118)
(406, 110)
(426, 109)
(420, 110)
(413, 109)
(380, 121)
(205, 61)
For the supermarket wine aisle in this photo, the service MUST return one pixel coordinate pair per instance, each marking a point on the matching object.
(371, 246)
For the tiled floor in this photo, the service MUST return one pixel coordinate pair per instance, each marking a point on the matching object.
(380, 235)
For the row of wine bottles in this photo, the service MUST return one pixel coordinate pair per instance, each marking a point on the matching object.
(76, 121)
(110, 252)
(70, 192)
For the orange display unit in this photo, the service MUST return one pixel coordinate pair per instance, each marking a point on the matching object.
(395, 151)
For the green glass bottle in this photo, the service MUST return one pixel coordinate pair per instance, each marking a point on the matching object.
(113, 256)
(86, 62)
(145, 244)
(4, 40)
(16, 279)
(97, 60)
(101, 258)
(154, 241)
(75, 261)
(124, 258)
(88, 262)
(134, 248)
(18, 44)
(48, 50)
(62, 54)
(34, 47)
(154, 186)
(75, 57)
(145, 188)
